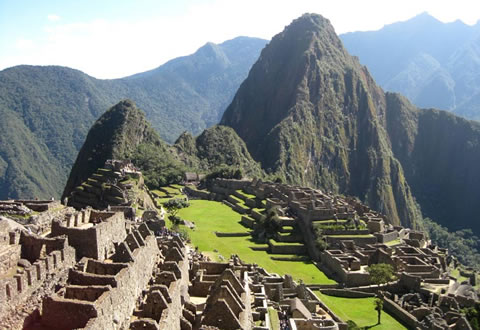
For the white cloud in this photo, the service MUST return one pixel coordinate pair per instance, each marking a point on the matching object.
(53, 18)
(116, 48)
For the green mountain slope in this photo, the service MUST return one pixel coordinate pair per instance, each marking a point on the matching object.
(117, 134)
(311, 113)
(440, 153)
(55, 107)
(434, 64)
(216, 146)
(123, 132)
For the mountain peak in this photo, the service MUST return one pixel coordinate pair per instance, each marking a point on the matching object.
(115, 135)
(309, 112)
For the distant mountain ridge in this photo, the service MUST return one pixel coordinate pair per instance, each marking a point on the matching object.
(48, 110)
(312, 114)
(434, 64)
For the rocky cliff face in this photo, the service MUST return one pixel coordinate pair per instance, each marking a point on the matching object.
(311, 113)
(439, 153)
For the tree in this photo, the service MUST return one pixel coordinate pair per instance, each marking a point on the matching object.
(352, 325)
(380, 273)
(268, 225)
(174, 205)
(378, 303)
(321, 244)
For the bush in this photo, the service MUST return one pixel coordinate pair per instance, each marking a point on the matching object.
(321, 244)
(175, 204)
(176, 220)
(380, 273)
(224, 172)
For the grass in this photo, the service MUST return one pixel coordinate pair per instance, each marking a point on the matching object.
(241, 192)
(456, 273)
(211, 216)
(350, 236)
(361, 311)
(158, 193)
(171, 190)
(274, 320)
(394, 242)
(275, 243)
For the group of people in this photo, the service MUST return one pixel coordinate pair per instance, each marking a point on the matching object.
(166, 232)
(284, 324)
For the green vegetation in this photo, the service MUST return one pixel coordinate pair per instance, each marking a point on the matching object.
(158, 167)
(46, 111)
(268, 226)
(380, 273)
(463, 244)
(274, 320)
(174, 205)
(361, 311)
(220, 151)
(473, 315)
(394, 242)
(351, 236)
(241, 192)
(210, 217)
(378, 303)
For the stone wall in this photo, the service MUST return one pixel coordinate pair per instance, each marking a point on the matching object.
(111, 304)
(18, 287)
(347, 293)
(399, 313)
(386, 237)
(360, 241)
(92, 235)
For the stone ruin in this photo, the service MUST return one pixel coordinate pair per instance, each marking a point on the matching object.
(420, 266)
(62, 268)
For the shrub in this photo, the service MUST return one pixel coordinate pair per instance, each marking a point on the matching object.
(380, 273)
(175, 204)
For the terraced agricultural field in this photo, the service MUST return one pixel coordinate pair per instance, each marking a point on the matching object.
(210, 217)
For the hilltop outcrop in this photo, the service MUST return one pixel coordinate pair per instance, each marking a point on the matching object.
(115, 135)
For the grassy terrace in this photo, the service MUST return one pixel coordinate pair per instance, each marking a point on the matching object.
(361, 311)
(394, 242)
(239, 202)
(241, 192)
(273, 242)
(210, 216)
(350, 236)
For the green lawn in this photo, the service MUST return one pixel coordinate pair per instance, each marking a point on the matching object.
(361, 311)
(210, 216)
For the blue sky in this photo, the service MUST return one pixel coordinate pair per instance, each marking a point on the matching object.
(111, 39)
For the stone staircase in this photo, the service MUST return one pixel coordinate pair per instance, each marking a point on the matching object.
(286, 242)
(103, 188)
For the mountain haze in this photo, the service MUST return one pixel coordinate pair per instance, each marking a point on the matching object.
(50, 109)
(434, 64)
